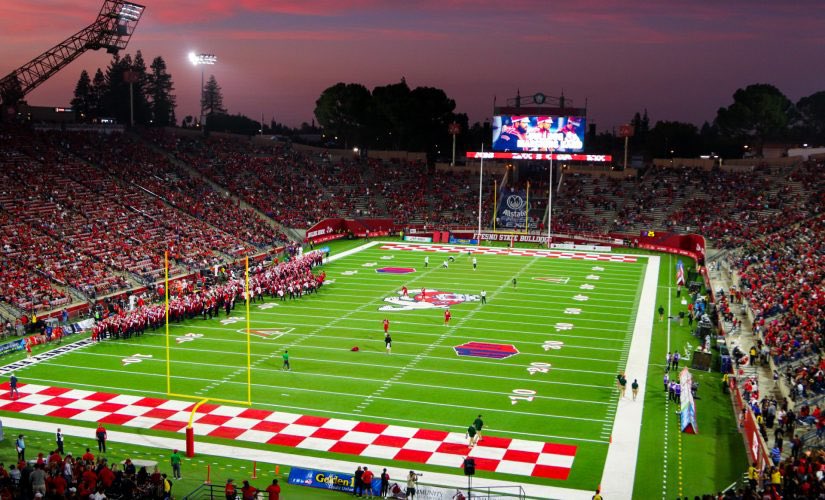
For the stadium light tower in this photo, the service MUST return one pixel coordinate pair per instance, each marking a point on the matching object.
(202, 60)
(112, 30)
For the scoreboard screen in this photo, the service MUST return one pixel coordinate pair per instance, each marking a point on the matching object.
(530, 133)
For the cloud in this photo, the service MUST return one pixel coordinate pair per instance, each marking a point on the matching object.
(319, 35)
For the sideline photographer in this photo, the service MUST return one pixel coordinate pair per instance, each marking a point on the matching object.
(412, 482)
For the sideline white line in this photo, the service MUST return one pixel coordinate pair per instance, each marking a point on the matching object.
(351, 251)
(620, 465)
(271, 457)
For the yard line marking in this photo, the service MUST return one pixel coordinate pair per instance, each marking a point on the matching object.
(412, 323)
(365, 379)
(432, 346)
(380, 314)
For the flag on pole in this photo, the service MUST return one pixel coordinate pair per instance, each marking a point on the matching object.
(680, 273)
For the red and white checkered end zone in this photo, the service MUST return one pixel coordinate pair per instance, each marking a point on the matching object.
(527, 252)
(363, 439)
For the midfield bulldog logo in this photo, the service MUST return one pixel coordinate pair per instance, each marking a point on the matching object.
(430, 299)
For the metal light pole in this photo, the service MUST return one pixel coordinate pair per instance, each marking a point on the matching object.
(454, 129)
(131, 77)
(480, 184)
(201, 60)
(626, 131)
(550, 201)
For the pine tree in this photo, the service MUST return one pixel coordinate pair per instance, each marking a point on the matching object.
(99, 89)
(116, 98)
(140, 90)
(159, 90)
(212, 97)
(82, 97)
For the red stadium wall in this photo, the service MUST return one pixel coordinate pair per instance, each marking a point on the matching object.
(333, 229)
(689, 245)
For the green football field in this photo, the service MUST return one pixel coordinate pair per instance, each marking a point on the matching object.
(565, 327)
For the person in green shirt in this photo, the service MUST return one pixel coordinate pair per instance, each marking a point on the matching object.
(286, 361)
(478, 424)
(175, 460)
(471, 436)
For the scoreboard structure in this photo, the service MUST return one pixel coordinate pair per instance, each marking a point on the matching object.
(547, 128)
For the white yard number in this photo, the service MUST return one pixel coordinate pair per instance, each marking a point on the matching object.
(592, 277)
(229, 321)
(522, 395)
(552, 344)
(268, 305)
(135, 358)
(572, 310)
(564, 326)
(538, 367)
(189, 337)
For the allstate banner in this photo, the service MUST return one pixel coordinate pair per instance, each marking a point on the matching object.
(512, 210)
(14, 345)
(327, 480)
(688, 406)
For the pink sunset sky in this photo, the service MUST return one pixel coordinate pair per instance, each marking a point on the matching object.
(681, 60)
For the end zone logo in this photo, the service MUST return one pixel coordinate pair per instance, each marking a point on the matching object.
(431, 299)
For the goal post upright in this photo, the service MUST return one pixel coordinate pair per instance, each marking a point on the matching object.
(495, 203)
(248, 339)
(527, 210)
(166, 311)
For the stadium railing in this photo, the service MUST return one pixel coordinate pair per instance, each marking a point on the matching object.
(212, 491)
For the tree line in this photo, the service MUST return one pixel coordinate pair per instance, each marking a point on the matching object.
(107, 95)
(759, 114)
(396, 117)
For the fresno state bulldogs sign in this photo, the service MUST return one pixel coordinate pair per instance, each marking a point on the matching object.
(429, 299)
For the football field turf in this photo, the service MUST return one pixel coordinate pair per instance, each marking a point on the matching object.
(538, 361)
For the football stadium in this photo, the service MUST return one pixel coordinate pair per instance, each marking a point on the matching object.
(193, 308)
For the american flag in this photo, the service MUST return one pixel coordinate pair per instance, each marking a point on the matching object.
(680, 273)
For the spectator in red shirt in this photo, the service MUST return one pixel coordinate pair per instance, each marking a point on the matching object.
(248, 491)
(274, 490)
(366, 480)
(100, 433)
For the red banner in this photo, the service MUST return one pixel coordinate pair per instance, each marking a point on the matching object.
(756, 448)
(333, 229)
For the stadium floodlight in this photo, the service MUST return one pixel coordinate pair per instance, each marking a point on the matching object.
(198, 59)
(131, 11)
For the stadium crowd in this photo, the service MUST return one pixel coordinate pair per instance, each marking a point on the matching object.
(136, 162)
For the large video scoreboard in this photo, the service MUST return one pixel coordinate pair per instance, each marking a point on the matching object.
(529, 133)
